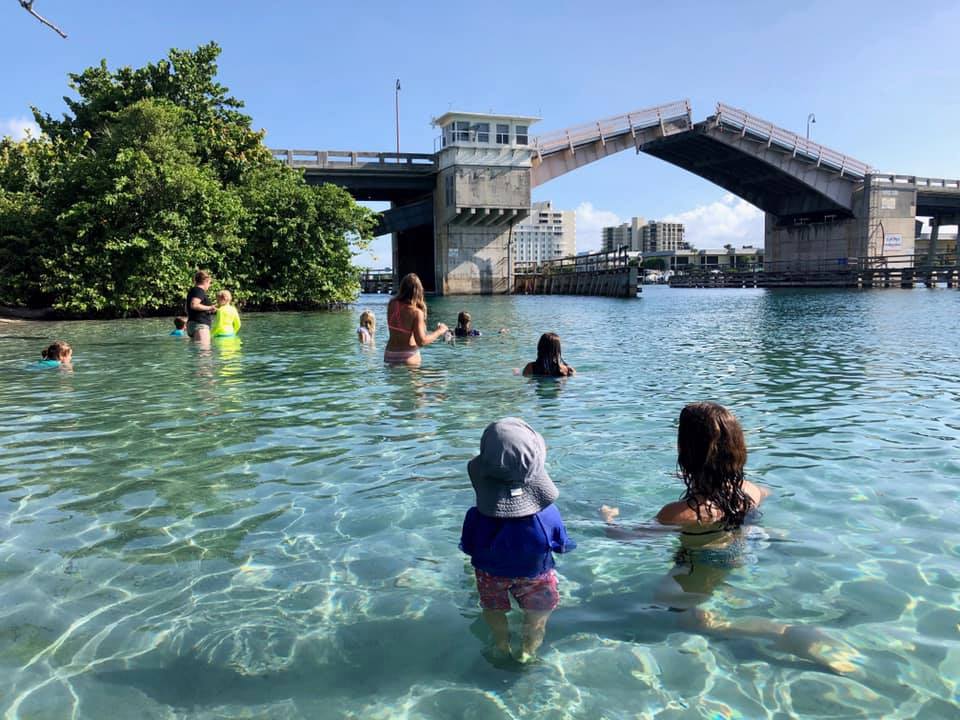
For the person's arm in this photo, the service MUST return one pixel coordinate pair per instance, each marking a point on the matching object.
(195, 304)
(528, 369)
(755, 492)
(618, 532)
(420, 334)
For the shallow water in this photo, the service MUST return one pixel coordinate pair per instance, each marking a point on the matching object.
(269, 529)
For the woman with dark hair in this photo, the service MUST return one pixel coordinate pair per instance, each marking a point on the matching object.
(407, 322)
(549, 360)
(716, 502)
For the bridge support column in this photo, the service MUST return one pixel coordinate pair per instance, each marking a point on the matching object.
(475, 209)
(882, 227)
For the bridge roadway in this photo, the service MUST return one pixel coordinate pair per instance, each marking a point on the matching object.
(812, 195)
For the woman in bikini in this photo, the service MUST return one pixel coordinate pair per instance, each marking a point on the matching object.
(710, 515)
(407, 322)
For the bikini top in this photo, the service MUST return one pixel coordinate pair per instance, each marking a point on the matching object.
(393, 319)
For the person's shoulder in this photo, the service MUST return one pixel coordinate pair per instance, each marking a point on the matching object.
(551, 514)
(528, 368)
(677, 513)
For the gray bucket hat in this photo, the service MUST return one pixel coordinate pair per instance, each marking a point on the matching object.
(508, 474)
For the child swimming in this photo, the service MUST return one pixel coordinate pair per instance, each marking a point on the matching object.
(549, 360)
(179, 327)
(227, 321)
(465, 326)
(57, 354)
(366, 328)
(716, 503)
(512, 532)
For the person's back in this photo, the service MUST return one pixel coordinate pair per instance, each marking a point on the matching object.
(227, 320)
(406, 321)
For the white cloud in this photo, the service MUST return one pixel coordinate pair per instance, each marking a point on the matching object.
(17, 128)
(729, 220)
(590, 222)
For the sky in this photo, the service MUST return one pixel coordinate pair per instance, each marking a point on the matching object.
(879, 76)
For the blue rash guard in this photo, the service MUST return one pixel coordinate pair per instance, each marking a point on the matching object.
(514, 547)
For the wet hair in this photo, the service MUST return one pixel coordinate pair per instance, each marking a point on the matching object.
(201, 276)
(411, 291)
(549, 360)
(368, 321)
(711, 455)
(463, 324)
(224, 296)
(179, 322)
(56, 351)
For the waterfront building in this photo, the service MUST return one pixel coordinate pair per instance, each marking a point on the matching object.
(645, 237)
(546, 234)
(725, 258)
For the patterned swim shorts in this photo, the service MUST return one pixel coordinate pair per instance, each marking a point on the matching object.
(536, 593)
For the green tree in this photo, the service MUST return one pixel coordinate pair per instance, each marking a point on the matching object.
(152, 173)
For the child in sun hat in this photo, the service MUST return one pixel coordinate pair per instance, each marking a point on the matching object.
(513, 530)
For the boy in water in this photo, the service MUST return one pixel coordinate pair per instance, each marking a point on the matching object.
(513, 531)
(179, 327)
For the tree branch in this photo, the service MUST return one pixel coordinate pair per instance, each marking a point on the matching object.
(28, 6)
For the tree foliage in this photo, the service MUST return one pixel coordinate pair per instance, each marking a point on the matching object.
(152, 173)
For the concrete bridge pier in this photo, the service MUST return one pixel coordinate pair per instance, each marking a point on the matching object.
(880, 224)
(482, 190)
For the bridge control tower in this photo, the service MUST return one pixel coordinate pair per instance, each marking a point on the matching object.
(482, 191)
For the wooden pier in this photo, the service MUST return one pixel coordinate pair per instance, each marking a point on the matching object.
(606, 274)
(898, 271)
(376, 281)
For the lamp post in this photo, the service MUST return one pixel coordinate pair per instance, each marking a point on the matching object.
(396, 107)
(811, 120)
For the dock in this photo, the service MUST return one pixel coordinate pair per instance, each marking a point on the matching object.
(605, 274)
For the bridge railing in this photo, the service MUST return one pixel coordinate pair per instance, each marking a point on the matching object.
(608, 260)
(610, 127)
(335, 159)
(920, 182)
(829, 265)
(757, 128)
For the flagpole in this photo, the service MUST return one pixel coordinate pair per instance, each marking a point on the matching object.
(396, 105)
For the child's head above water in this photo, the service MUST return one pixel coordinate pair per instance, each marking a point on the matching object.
(180, 322)
(59, 351)
(711, 455)
(549, 359)
(224, 297)
(508, 475)
(463, 320)
(368, 321)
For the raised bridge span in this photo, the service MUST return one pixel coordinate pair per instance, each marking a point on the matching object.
(453, 211)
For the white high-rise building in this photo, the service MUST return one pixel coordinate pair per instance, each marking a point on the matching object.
(545, 235)
(640, 236)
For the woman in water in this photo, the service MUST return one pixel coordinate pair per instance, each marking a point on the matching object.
(407, 322)
(717, 501)
(549, 361)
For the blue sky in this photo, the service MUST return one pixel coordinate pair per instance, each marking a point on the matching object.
(880, 76)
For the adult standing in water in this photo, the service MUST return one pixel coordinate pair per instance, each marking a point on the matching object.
(407, 322)
(200, 310)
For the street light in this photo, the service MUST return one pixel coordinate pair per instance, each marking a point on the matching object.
(811, 120)
(396, 108)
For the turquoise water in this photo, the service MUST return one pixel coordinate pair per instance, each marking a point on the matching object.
(269, 529)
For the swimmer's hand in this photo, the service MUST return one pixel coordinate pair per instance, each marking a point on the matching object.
(609, 514)
(442, 327)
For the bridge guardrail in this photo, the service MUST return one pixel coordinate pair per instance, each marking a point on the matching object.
(829, 265)
(611, 127)
(924, 182)
(759, 129)
(609, 260)
(334, 159)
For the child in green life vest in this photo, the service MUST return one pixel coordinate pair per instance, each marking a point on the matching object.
(227, 321)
